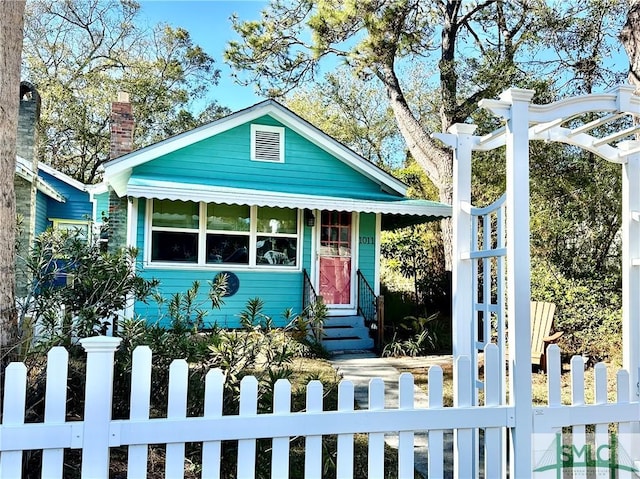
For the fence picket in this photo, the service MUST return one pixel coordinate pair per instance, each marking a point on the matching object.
(435, 436)
(405, 439)
(625, 430)
(344, 461)
(97, 432)
(493, 437)
(464, 452)
(15, 387)
(376, 440)
(247, 447)
(554, 373)
(313, 444)
(602, 430)
(55, 406)
(213, 402)
(578, 432)
(280, 447)
(139, 408)
(177, 409)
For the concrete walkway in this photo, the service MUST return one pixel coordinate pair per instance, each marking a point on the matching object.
(360, 368)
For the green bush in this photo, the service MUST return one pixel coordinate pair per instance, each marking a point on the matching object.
(587, 310)
(76, 290)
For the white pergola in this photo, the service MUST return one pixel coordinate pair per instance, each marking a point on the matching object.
(560, 121)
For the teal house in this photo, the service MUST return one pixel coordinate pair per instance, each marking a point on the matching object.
(286, 211)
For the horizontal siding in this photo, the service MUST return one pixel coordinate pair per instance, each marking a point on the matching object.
(41, 223)
(279, 291)
(224, 160)
(366, 247)
(77, 205)
(140, 229)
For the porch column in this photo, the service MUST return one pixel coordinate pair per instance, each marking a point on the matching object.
(519, 277)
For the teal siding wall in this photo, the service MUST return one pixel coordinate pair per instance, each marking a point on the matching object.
(102, 205)
(224, 160)
(306, 248)
(140, 230)
(42, 223)
(279, 291)
(367, 258)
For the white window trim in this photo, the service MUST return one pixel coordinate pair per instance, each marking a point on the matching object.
(202, 236)
(55, 223)
(273, 129)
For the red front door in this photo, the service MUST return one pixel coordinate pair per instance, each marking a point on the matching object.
(335, 257)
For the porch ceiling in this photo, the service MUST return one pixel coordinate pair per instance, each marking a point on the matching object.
(397, 206)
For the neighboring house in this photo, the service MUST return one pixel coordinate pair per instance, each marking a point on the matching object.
(45, 197)
(263, 195)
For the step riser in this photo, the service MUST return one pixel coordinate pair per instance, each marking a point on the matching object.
(353, 321)
(348, 344)
(343, 333)
(361, 333)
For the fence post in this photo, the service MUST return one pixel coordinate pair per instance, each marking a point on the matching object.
(97, 405)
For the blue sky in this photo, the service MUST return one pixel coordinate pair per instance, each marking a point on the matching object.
(208, 23)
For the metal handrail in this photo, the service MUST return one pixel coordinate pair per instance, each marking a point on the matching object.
(371, 308)
(309, 295)
(366, 299)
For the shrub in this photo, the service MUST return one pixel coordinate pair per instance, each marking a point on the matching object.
(76, 290)
(587, 310)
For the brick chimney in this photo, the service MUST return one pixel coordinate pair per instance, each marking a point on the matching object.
(121, 127)
(121, 144)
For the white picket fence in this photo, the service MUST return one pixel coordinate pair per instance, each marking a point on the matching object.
(97, 432)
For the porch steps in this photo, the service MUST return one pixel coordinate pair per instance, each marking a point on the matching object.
(346, 333)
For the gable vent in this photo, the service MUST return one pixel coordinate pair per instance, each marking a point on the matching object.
(267, 144)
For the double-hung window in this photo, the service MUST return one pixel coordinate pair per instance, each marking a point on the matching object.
(277, 236)
(175, 227)
(210, 234)
(228, 233)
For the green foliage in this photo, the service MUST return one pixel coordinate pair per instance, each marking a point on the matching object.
(417, 336)
(353, 111)
(588, 310)
(76, 290)
(416, 254)
(80, 54)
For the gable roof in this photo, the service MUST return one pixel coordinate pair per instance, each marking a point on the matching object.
(24, 169)
(118, 171)
(62, 176)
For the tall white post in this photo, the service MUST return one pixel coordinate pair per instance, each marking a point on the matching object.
(631, 271)
(97, 407)
(462, 274)
(462, 280)
(518, 278)
(631, 280)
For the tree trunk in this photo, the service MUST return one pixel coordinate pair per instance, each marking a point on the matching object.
(11, 34)
(436, 161)
(630, 38)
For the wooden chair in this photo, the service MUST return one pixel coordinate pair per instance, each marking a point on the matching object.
(541, 337)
